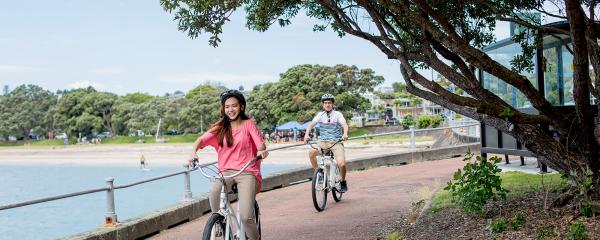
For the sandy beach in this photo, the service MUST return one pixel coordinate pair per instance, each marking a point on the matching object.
(166, 154)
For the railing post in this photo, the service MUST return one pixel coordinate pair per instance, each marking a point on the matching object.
(110, 219)
(187, 192)
(412, 137)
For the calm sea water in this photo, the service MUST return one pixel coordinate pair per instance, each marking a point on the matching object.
(70, 216)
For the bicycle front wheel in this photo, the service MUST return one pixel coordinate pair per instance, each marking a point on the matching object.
(257, 216)
(319, 191)
(215, 228)
(337, 195)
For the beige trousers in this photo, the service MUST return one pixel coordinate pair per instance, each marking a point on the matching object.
(246, 185)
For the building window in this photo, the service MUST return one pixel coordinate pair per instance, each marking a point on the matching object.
(503, 55)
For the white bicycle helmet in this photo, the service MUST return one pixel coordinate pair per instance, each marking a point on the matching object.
(327, 96)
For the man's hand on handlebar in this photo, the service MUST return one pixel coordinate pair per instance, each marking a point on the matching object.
(345, 137)
(307, 139)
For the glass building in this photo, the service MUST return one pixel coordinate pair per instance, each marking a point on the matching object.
(552, 74)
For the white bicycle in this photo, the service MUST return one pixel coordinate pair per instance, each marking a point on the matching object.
(326, 177)
(221, 224)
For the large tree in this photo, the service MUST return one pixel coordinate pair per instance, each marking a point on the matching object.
(203, 108)
(448, 36)
(296, 96)
(24, 109)
(85, 110)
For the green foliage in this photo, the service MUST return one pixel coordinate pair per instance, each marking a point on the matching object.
(408, 121)
(517, 183)
(429, 120)
(424, 121)
(394, 236)
(586, 209)
(518, 221)
(577, 231)
(297, 94)
(477, 183)
(499, 225)
(436, 120)
(506, 114)
(26, 108)
(544, 232)
(84, 110)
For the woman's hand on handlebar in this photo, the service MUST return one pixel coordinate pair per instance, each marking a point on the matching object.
(193, 160)
(263, 154)
(345, 137)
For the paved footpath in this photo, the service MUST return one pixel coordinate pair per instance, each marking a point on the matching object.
(375, 196)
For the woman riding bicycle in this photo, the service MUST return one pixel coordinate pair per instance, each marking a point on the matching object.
(237, 140)
(333, 128)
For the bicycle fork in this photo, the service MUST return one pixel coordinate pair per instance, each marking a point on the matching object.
(225, 208)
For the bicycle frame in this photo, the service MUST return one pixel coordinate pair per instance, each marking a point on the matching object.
(225, 208)
(330, 168)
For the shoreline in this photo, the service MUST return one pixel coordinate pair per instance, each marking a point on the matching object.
(168, 154)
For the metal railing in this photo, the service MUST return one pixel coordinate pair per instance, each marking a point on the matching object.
(111, 216)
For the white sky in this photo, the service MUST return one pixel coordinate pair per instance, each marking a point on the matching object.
(134, 46)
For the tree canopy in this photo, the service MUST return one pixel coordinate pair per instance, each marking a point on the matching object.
(448, 37)
(297, 94)
(24, 109)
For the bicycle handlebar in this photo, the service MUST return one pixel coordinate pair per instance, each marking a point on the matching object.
(220, 175)
(312, 143)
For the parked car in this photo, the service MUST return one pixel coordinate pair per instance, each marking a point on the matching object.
(60, 136)
(104, 135)
(172, 132)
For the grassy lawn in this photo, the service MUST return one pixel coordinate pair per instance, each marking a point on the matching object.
(518, 183)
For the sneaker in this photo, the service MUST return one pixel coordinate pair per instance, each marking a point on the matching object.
(344, 187)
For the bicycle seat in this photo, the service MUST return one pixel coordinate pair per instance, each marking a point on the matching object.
(234, 189)
(328, 152)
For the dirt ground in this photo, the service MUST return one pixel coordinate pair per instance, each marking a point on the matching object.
(453, 223)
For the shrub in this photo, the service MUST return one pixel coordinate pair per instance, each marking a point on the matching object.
(518, 221)
(476, 183)
(424, 121)
(498, 226)
(544, 232)
(436, 120)
(408, 121)
(577, 231)
(586, 209)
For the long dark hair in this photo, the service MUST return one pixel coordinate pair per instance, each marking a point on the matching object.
(223, 127)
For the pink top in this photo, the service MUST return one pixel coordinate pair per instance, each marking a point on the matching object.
(245, 142)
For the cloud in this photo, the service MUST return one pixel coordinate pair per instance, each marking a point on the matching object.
(16, 68)
(105, 71)
(85, 84)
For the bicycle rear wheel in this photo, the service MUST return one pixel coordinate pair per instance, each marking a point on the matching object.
(319, 191)
(215, 228)
(337, 195)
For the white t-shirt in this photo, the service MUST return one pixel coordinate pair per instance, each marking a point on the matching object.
(330, 125)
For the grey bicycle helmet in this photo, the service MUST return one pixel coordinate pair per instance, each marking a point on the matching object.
(327, 96)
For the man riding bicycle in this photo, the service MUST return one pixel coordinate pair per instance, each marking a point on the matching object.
(333, 128)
